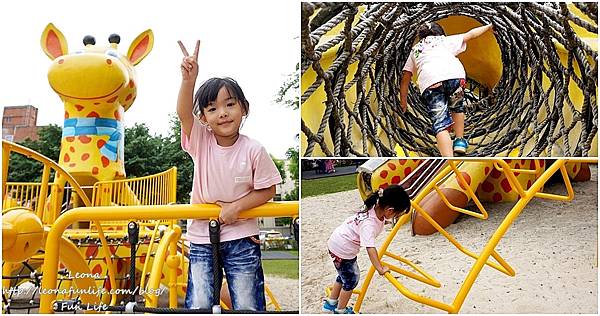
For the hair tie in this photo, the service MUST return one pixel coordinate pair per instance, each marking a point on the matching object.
(380, 192)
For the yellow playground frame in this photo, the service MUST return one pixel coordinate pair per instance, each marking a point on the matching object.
(148, 200)
(481, 259)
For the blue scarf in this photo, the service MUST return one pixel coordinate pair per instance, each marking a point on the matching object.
(91, 126)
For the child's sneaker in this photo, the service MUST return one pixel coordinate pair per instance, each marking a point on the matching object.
(328, 307)
(347, 310)
(460, 145)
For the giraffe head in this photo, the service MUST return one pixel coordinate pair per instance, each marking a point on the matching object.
(96, 74)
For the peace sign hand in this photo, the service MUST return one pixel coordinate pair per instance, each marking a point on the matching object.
(189, 65)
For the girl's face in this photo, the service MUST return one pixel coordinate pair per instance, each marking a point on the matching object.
(224, 116)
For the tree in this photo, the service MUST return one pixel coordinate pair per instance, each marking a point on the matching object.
(294, 168)
(23, 169)
(280, 164)
(174, 156)
(288, 96)
(288, 92)
(142, 152)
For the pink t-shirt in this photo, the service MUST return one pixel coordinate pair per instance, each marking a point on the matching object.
(434, 60)
(358, 230)
(226, 174)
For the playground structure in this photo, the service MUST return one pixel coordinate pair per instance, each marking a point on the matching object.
(518, 180)
(531, 90)
(99, 240)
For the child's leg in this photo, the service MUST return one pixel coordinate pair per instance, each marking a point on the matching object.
(444, 143)
(348, 276)
(437, 104)
(199, 293)
(335, 290)
(456, 94)
(459, 124)
(343, 299)
(244, 273)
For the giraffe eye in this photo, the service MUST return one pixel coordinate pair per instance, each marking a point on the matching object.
(112, 53)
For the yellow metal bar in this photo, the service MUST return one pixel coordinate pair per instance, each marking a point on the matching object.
(164, 212)
(148, 253)
(506, 269)
(42, 192)
(468, 191)
(424, 277)
(482, 215)
(570, 193)
(173, 263)
(109, 263)
(501, 230)
(5, 160)
(272, 299)
(8, 147)
(161, 256)
(416, 297)
(526, 171)
(173, 195)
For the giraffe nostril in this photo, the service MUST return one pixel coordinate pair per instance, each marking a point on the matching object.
(61, 61)
(108, 61)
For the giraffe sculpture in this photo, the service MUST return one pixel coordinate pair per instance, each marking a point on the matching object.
(97, 85)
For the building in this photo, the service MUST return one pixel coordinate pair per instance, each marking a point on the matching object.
(19, 123)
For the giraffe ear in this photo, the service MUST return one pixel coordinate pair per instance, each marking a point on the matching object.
(53, 42)
(141, 46)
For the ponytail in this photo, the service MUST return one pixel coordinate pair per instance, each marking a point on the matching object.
(370, 202)
(393, 196)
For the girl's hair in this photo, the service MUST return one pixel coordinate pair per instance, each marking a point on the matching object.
(393, 196)
(429, 29)
(209, 90)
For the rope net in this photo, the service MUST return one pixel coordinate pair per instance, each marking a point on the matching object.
(542, 103)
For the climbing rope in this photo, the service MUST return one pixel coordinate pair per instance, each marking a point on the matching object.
(519, 113)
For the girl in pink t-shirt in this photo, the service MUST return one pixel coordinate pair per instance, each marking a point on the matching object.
(441, 80)
(231, 170)
(360, 230)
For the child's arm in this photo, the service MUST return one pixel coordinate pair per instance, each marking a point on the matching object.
(406, 77)
(189, 73)
(231, 211)
(476, 32)
(372, 251)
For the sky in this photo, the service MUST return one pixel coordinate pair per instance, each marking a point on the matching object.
(254, 42)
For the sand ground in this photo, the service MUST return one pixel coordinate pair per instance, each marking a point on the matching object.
(552, 246)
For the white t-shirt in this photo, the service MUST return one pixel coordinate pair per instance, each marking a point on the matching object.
(433, 59)
(226, 174)
(358, 230)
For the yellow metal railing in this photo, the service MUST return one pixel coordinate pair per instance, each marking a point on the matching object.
(489, 249)
(157, 189)
(140, 213)
(23, 194)
(48, 213)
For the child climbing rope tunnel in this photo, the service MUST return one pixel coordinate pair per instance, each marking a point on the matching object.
(531, 84)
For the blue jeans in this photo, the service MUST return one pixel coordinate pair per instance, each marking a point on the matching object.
(443, 98)
(348, 272)
(240, 259)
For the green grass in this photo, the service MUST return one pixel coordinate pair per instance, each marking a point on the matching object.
(281, 268)
(327, 185)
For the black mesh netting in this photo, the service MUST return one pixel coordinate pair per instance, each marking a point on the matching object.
(521, 113)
